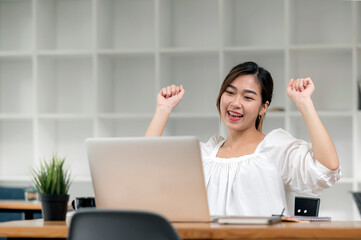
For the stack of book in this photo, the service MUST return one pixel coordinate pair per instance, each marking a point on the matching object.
(244, 220)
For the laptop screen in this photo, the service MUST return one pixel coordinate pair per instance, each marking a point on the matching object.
(158, 174)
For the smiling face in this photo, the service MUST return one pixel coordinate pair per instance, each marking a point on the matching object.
(241, 103)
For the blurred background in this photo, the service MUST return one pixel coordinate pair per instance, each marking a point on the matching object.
(73, 69)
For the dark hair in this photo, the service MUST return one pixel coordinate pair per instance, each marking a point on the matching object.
(264, 79)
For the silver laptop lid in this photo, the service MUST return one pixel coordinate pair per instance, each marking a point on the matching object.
(160, 174)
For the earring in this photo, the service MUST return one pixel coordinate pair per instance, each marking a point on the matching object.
(259, 117)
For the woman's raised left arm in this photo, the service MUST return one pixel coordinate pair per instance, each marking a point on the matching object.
(300, 91)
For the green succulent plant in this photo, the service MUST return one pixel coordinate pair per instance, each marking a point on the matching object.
(52, 177)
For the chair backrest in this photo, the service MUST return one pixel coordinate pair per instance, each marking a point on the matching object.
(12, 193)
(89, 224)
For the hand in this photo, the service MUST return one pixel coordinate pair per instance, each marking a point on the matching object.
(300, 89)
(170, 96)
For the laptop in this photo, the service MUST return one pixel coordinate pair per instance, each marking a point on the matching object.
(157, 174)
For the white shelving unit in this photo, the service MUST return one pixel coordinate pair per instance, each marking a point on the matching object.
(72, 69)
(64, 85)
(63, 25)
(126, 83)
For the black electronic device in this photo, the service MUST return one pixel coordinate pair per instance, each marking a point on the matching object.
(306, 206)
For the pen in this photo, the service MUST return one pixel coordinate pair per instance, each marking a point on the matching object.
(281, 215)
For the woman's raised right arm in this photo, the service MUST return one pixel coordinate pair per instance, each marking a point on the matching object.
(167, 99)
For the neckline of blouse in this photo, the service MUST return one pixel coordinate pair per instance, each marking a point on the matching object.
(256, 151)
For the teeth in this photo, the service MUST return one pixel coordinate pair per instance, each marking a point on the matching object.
(235, 115)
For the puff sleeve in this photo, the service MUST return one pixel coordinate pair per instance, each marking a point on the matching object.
(294, 159)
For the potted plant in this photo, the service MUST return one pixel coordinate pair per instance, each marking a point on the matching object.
(53, 181)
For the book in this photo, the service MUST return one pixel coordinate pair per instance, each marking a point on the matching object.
(306, 218)
(248, 220)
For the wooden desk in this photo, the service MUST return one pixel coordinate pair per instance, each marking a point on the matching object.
(28, 208)
(327, 230)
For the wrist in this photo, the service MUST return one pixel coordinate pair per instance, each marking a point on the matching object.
(304, 104)
(163, 109)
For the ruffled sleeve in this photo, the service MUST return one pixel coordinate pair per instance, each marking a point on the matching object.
(294, 159)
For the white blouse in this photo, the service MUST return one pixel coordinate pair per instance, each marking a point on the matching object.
(259, 184)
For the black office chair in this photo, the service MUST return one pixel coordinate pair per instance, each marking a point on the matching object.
(11, 193)
(89, 224)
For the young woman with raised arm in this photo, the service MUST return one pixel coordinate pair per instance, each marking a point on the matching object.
(250, 173)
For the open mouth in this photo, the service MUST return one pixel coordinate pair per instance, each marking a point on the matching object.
(234, 116)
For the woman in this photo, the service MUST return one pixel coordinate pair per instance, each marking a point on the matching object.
(250, 173)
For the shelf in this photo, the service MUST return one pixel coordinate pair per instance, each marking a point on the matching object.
(180, 115)
(272, 122)
(16, 147)
(124, 80)
(346, 180)
(261, 49)
(65, 85)
(184, 51)
(16, 86)
(115, 30)
(17, 179)
(322, 23)
(126, 52)
(326, 69)
(254, 25)
(321, 47)
(16, 25)
(64, 24)
(274, 62)
(15, 116)
(123, 127)
(115, 116)
(58, 136)
(81, 180)
(15, 54)
(189, 23)
(199, 76)
(326, 113)
(330, 207)
(176, 115)
(61, 116)
(65, 53)
(275, 114)
(340, 131)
